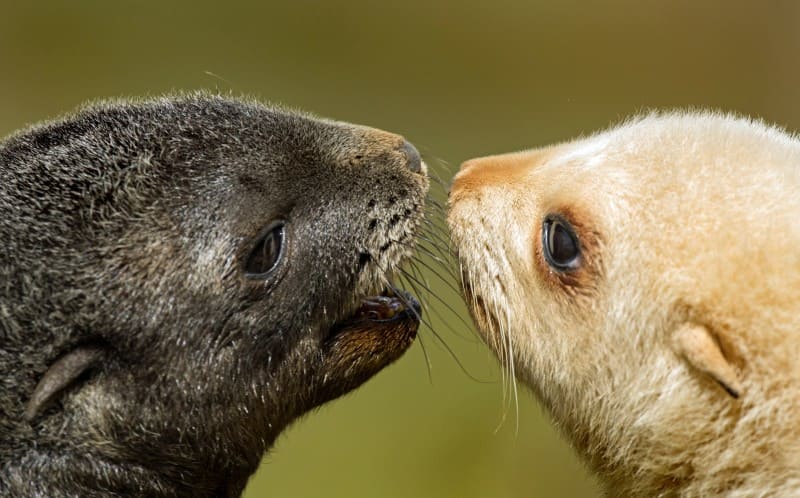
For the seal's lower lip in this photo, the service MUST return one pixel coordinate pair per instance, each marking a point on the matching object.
(392, 314)
(388, 306)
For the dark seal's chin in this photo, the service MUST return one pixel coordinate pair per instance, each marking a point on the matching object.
(376, 334)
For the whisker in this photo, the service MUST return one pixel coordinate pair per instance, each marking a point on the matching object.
(434, 175)
(431, 202)
(460, 318)
(436, 236)
(437, 221)
(424, 238)
(495, 336)
(446, 348)
(446, 265)
(512, 367)
(399, 294)
(429, 292)
(443, 279)
(436, 252)
(433, 160)
(427, 358)
(433, 172)
(437, 233)
(437, 239)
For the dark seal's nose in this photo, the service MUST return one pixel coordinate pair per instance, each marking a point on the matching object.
(413, 160)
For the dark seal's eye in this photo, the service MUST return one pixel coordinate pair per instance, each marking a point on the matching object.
(266, 253)
(561, 248)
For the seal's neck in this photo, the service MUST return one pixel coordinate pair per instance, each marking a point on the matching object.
(91, 474)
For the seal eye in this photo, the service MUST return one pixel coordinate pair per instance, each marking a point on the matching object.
(560, 244)
(267, 252)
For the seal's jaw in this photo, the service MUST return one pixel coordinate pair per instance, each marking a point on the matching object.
(378, 330)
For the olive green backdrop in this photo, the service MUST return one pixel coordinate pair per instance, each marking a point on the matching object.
(459, 79)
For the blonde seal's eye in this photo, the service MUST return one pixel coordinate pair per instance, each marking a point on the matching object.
(266, 253)
(560, 244)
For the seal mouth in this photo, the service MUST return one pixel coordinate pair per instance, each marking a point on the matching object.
(380, 328)
(388, 308)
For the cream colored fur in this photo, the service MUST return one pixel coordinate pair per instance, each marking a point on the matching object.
(690, 282)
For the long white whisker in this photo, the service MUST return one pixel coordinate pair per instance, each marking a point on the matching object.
(512, 366)
(504, 359)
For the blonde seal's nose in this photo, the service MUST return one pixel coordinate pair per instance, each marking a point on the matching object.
(476, 174)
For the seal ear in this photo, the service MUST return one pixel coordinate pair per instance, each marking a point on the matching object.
(700, 348)
(61, 374)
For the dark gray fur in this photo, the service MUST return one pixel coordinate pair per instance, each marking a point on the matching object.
(125, 227)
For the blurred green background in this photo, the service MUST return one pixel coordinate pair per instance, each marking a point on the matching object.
(459, 79)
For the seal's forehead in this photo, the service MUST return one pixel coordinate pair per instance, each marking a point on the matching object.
(580, 169)
(588, 153)
(590, 170)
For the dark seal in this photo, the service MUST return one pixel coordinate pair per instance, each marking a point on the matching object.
(183, 277)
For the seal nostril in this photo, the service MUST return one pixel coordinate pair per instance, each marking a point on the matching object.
(414, 161)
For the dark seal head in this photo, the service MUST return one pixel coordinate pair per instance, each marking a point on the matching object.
(181, 279)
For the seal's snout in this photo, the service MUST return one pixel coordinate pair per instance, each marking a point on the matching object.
(502, 170)
(413, 159)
